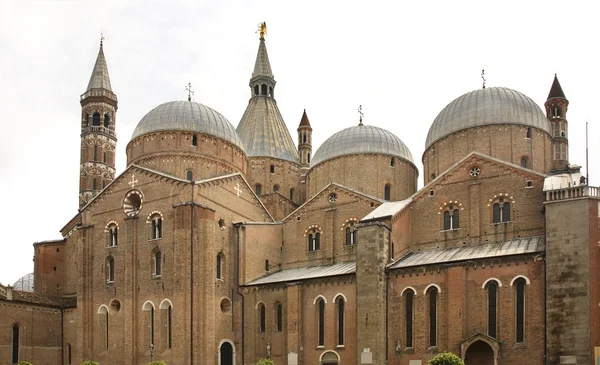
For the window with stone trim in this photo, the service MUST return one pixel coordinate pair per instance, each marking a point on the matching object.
(519, 285)
(103, 319)
(112, 231)
(314, 241)
(166, 323)
(220, 265)
(262, 318)
(387, 192)
(110, 269)
(409, 307)
(501, 211)
(156, 223)
(15, 343)
(157, 263)
(320, 322)
(432, 296)
(351, 233)
(492, 308)
(340, 306)
(96, 120)
(279, 317)
(451, 218)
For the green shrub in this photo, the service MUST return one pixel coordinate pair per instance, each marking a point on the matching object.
(446, 358)
(25, 363)
(158, 363)
(265, 362)
(88, 362)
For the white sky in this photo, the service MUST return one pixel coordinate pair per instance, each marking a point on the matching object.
(403, 61)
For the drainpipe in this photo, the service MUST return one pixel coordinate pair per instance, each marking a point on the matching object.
(192, 276)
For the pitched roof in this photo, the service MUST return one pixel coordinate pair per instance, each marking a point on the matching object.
(304, 121)
(100, 78)
(388, 209)
(262, 66)
(556, 90)
(304, 273)
(517, 246)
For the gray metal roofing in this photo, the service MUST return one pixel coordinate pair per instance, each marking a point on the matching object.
(100, 78)
(304, 273)
(361, 139)
(187, 116)
(388, 209)
(485, 250)
(493, 105)
(25, 283)
(262, 66)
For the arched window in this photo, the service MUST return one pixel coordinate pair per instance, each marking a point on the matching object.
(279, 315)
(308, 157)
(189, 175)
(314, 241)
(96, 120)
(258, 189)
(525, 161)
(263, 89)
(166, 323)
(271, 91)
(15, 344)
(492, 298)
(157, 258)
(106, 120)
(262, 322)
(152, 326)
(255, 90)
(528, 135)
(95, 152)
(103, 312)
(110, 270)
(272, 169)
(392, 163)
(409, 299)
(267, 265)
(451, 218)
(520, 309)
(220, 265)
(194, 140)
(433, 295)
(340, 308)
(501, 211)
(321, 322)
(156, 227)
(387, 192)
(303, 137)
(170, 327)
(351, 232)
(113, 235)
(556, 112)
(68, 354)
(275, 188)
(292, 194)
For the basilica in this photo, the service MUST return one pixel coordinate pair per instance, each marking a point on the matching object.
(226, 245)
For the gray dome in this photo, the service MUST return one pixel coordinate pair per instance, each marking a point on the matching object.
(187, 116)
(25, 283)
(494, 105)
(361, 139)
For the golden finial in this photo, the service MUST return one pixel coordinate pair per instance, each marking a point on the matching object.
(262, 28)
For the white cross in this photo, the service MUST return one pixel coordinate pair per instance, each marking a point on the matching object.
(133, 181)
(238, 190)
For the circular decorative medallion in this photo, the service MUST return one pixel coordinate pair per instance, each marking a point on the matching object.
(474, 171)
(332, 197)
(132, 203)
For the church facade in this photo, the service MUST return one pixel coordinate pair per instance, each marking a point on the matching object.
(223, 245)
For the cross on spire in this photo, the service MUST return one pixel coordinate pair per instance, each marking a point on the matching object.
(483, 77)
(101, 39)
(361, 115)
(188, 88)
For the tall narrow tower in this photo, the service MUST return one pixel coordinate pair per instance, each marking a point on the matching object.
(304, 141)
(98, 137)
(556, 111)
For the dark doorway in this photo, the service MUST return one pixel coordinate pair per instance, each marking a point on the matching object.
(479, 353)
(226, 354)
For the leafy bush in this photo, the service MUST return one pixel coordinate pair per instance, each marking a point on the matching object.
(158, 363)
(446, 358)
(25, 363)
(265, 362)
(88, 362)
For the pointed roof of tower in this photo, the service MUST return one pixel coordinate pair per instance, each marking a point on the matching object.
(304, 121)
(262, 66)
(556, 91)
(100, 78)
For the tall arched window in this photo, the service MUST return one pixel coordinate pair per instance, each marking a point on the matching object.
(270, 91)
(106, 120)
(492, 299)
(314, 241)
(321, 322)
(351, 232)
(220, 264)
(152, 326)
(157, 264)
(68, 354)
(387, 192)
(433, 295)
(340, 308)
(501, 211)
(292, 194)
(525, 161)
(263, 89)
(409, 299)
(156, 222)
(110, 270)
(189, 175)
(95, 152)
(279, 314)
(520, 309)
(451, 218)
(258, 189)
(15, 344)
(255, 90)
(170, 327)
(96, 120)
(262, 318)
(103, 322)
(113, 235)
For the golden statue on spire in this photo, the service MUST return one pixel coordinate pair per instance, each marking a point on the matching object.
(262, 28)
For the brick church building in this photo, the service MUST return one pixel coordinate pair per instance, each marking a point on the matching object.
(223, 245)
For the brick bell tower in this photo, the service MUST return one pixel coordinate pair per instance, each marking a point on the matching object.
(98, 137)
(556, 111)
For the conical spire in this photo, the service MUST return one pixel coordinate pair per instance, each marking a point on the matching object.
(556, 91)
(304, 121)
(100, 78)
(262, 66)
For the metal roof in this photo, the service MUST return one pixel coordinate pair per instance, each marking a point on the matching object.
(25, 283)
(361, 139)
(304, 273)
(485, 250)
(100, 78)
(493, 105)
(388, 209)
(187, 116)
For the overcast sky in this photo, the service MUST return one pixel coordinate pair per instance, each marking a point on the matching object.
(402, 61)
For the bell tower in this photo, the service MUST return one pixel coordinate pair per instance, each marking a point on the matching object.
(556, 111)
(98, 137)
(304, 141)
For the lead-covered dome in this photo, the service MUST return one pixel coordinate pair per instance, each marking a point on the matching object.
(494, 105)
(187, 116)
(361, 139)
